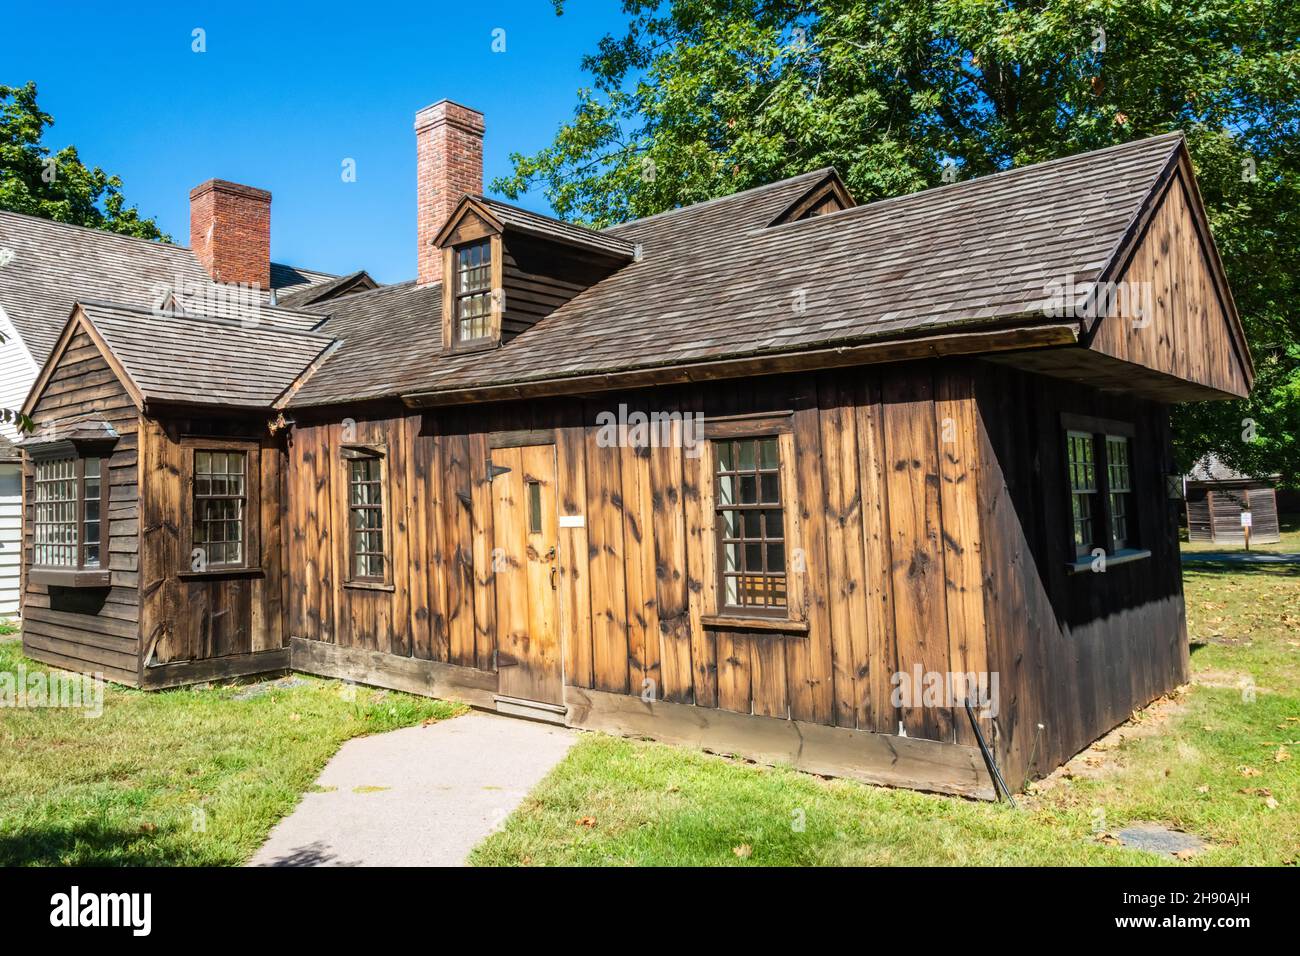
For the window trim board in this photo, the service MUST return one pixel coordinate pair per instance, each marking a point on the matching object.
(252, 532)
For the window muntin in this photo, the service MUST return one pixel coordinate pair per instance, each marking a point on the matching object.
(1083, 489)
(473, 286)
(1119, 488)
(67, 520)
(220, 502)
(1100, 472)
(750, 525)
(366, 518)
(91, 501)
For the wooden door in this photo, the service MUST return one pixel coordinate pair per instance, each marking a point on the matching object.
(525, 519)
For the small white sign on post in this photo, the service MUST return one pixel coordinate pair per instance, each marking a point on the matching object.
(1245, 519)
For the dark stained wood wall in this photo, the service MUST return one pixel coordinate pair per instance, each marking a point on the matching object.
(200, 617)
(1076, 652)
(538, 277)
(89, 629)
(885, 484)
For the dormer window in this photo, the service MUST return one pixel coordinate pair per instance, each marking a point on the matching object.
(473, 291)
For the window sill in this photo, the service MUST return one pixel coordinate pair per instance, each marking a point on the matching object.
(1126, 556)
(741, 622)
(71, 577)
(477, 345)
(215, 573)
(369, 586)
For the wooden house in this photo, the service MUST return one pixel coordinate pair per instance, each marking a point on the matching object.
(1217, 497)
(775, 474)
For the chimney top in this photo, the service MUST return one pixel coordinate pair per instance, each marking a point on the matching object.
(230, 232)
(449, 166)
(235, 189)
(446, 111)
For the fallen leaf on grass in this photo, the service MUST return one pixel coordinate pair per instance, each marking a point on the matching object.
(148, 827)
(744, 851)
(1184, 854)
(588, 822)
(1248, 771)
(1282, 755)
(1204, 788)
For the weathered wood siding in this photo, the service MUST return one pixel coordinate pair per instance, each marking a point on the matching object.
(1076, 653)
(884, 502)
(90, 629)
(220, 614)
(1187, 333)
(1214, 513)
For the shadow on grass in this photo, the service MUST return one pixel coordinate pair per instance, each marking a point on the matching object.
(1273, 568)
(90, 845)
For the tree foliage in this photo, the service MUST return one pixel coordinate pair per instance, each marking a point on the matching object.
(57, 185)
(699, 98)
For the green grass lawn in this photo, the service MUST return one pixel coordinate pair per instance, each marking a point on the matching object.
(1211, 761)
(193, 776)
(1289, 539)
(7, 627)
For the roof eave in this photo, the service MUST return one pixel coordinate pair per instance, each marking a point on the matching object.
(891, 349)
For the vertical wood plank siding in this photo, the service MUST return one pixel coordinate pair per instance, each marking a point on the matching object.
(217, 615)
(882, 502)
(1076, 652)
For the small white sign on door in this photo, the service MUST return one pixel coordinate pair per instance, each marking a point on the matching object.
(573, 521)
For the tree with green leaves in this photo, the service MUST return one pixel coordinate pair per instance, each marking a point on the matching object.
(57, 185)
(700, 98)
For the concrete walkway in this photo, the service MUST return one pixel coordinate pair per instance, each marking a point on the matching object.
(1241, 557)
(421, 796)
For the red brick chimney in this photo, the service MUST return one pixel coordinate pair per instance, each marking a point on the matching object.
(449, 165)
(230, 232)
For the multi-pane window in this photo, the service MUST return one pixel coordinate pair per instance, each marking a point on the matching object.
(751, 525)
(67, 520)
(220, 500)
(1083, 489)
(473, 285)
(1101, 491)
(366, 510)
(1119, 488)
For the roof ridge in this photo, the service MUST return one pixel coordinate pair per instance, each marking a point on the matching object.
(717, 199)
(155, 243)
(92, 229)
(195, 317)
(862, 208)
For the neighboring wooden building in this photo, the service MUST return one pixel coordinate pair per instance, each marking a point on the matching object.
(1216, 497)
(752, 475)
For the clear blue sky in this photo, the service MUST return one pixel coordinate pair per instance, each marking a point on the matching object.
(281, 98)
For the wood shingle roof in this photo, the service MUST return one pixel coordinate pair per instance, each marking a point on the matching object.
(52, 264)
(716, 282)
(203, 361)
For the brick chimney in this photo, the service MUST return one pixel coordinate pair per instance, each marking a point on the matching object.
(449, 165)
(230, 232)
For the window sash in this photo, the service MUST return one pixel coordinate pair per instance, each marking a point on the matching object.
(367, 550)
(750, 524)
(473, 285)
(1119, 485)
(220, 506)
(1099, 472)
(69, 501)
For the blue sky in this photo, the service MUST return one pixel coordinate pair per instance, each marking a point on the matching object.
(281, 98)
